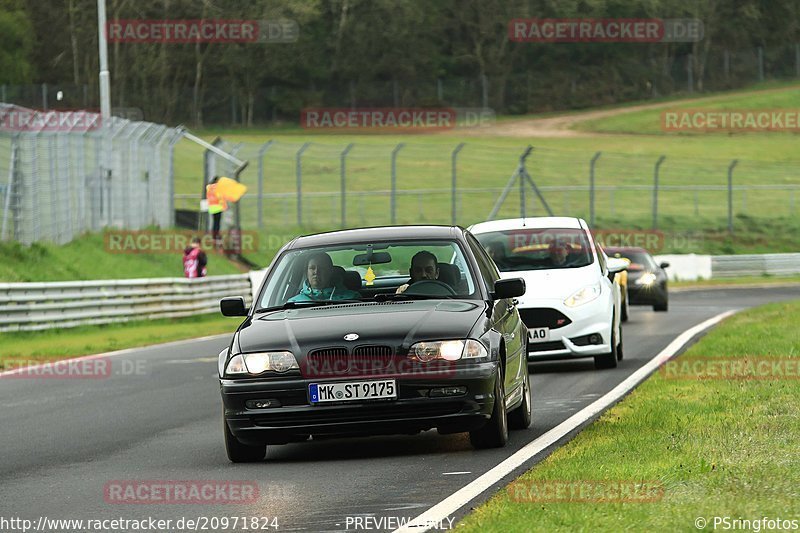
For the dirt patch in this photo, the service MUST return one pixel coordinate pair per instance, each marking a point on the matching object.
(562, 125)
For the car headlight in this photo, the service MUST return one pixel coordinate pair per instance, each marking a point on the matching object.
(258, 363)
(648, 278)
(447, 350)
(583, 296)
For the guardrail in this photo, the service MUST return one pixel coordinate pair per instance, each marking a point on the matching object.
(727, 266)
(46, 305)
(690, 267)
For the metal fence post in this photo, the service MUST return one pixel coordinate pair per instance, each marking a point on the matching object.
(343, 182)
(591, 187)
(44, 96)
(261, 151)
(299, 176)
(10, 187)
(485, 91)
(393, 200)
(730, 195)
(655, 191)
(453, 185)
(760, 63)
(690, 73)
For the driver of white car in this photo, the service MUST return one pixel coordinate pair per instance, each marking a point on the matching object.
(424, 266)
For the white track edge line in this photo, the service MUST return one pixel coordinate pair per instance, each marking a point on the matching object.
(463, 496)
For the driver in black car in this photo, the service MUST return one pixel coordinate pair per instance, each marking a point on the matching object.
(423, 266)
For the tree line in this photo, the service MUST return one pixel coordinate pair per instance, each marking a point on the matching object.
(387, 52)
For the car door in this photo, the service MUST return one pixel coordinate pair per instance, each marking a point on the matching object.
(506, 321)
(612, 287)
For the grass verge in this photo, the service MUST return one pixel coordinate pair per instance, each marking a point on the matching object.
(51, 345)
(86, 258)
(717, 447)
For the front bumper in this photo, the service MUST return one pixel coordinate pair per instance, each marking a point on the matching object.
(647, 295)
(414, 409)
(591, 318)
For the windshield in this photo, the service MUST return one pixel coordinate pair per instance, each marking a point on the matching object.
(537, 248)
(639, 260)
(368, 271)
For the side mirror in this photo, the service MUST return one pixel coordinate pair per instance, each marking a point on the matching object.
(509, 288)
(664, 264)
(233, 306)
(615, 265)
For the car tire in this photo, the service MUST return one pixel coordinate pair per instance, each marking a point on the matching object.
(608, 360)
(662, 307)
(241, 453)
(520, 418)
(495, 433)
(619, 345)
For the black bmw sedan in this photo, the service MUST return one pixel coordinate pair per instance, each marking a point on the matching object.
(376, 331)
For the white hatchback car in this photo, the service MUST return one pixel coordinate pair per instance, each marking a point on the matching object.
(571, 306)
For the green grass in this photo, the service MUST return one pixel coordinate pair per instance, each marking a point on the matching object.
(716, 447)
(51, 345)
(86, 258)
(765, 218)
(649, 121)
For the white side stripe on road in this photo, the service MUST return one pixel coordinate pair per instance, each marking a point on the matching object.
(447, 507)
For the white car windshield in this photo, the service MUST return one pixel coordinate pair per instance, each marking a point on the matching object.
(537, 248)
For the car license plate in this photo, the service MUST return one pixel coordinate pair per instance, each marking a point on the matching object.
(353, 390)
(539, 334)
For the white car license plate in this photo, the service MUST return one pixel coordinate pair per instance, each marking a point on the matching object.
(539, 334)
(353, 390)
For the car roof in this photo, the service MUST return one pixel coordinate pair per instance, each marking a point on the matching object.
(528, 222)
(379, 233)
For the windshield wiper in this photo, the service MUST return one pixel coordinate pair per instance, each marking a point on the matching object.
(307, 303)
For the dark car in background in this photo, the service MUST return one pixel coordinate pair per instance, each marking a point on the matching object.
(359, 358)
(647, 280)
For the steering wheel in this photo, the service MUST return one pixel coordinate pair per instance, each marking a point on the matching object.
(430, 287)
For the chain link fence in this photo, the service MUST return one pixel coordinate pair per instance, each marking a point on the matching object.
(325, 184)
(67, 173)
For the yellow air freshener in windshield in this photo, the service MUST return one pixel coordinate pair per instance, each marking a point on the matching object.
(369, 276)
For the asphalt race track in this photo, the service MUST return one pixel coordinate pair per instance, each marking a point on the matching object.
(63, 440)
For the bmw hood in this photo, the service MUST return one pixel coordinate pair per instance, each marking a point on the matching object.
(397, 324)
(554, 284)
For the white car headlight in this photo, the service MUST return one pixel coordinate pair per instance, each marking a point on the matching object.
(258, 363)
(583, 296)
(648, 278)
(447, 350)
